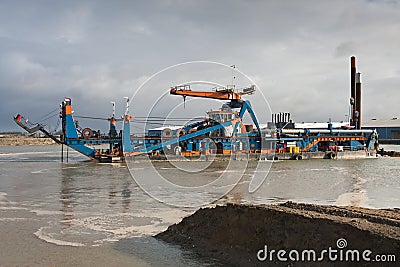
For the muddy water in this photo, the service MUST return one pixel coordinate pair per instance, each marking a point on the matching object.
(83, 213)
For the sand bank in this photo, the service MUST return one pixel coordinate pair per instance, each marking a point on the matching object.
(235, 234)
(23, 140)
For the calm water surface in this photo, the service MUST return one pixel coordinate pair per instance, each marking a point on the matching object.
(90, 204)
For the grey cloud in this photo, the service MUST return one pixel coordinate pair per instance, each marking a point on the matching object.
(100, 51)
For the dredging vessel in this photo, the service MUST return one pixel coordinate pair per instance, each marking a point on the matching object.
(223, 133)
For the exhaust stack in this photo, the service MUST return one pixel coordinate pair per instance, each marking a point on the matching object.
(353, 90)
(358, 100)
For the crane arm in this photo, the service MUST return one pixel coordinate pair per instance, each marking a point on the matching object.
(225, 94)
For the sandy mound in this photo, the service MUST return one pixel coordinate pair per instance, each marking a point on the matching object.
(236, 233)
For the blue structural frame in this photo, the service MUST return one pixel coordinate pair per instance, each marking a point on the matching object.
(305, 142)
(70, 134)
(147, 146)
(164, 143)
(246, 106)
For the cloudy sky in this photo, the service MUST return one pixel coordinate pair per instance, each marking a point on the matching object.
(297, 52)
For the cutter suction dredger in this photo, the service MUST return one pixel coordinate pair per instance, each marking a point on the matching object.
(223, 133)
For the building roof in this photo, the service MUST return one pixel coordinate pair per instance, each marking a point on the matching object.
(381, 123)
(319, 125)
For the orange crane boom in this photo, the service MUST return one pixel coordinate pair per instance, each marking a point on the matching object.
(222, 94)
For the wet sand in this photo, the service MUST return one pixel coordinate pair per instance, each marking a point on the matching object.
(235, 233)
(20, 247)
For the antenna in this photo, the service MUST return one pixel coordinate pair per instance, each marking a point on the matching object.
(113, 105)
(127, 105)
(233, 76)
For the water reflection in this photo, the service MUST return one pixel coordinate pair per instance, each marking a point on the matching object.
(357, 194)
(119, 190)
(93, 188)
(67, 200)
(112, 193)
(126, 195)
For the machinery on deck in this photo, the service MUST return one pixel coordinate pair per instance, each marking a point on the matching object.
(82, 140)
(218, 134)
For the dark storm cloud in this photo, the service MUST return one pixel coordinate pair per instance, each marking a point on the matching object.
(99, 51)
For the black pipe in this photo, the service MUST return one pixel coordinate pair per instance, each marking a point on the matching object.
(353, 88)
(358, 100)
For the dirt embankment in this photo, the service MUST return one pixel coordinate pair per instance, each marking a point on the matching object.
(236, 233)
(23, 140)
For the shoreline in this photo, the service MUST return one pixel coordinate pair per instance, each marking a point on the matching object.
(24, 140)
(20, 246)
